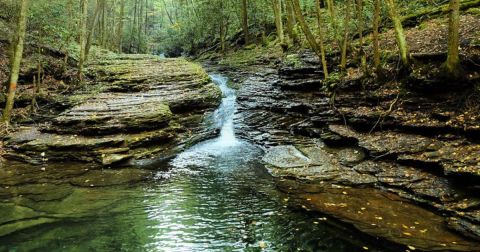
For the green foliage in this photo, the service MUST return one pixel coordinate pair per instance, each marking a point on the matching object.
(474, 11)
(476, 40)
(195, 26)
(180, 27)
(293, 60)
(410, 6)
(48, 23)
(251, 57)
(423, 26)
(332, 80)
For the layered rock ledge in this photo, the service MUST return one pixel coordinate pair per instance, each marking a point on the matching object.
(402, 166)
(137, 107)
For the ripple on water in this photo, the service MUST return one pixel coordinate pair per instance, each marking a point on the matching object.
(216, 196)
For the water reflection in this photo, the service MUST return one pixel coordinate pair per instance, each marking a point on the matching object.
(216, 196)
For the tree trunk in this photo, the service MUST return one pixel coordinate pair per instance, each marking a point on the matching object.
(16, 60)
(361, 52)
(333, 17)
(452, 65)
(140, 27)
(167, 12)
(145, 26)
(277, 10)
(343, 60)
(71, 27)
(245, 21)
(320, 38)
(120, 26)
(37, 82)
(376, 24)
(399, 32)
(133, 26)
(222, 28)
(292, 34)
(103, 30)
(308, 34)
(112, 13)
(83, 34)
(330, 8)
(91, 30)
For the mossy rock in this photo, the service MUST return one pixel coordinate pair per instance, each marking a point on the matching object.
(130, 110)
(293, 60)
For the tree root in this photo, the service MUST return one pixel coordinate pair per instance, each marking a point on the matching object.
(382, 117)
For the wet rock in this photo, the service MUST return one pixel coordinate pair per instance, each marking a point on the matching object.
(36, 192)
(136, 106)
(301, 85)
(465, 227)
(456, 158)
(322, 166)
(101, 178)
(380, 143)
(16, 174)
(420, 115)
(315, 164)
(410, 182)
(109, 159)
(417, 148)
(286, 157)
(23, 221)
(380, 214)
(351, 156)
(105, 116)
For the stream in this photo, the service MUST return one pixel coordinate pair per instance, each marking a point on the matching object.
(215, 196)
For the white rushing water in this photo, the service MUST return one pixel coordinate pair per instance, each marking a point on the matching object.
(225, 113)
(215, 196)
(226, 143)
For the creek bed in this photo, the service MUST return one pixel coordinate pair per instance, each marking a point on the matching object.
(215, 196)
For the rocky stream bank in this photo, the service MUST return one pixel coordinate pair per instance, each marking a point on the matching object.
(404, 167)
(137, 107)
(137, 111)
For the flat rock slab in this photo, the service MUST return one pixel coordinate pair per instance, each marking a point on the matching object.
(382, 214)
(135, 107)
(321, 179)
(421, 148)
(456, 157)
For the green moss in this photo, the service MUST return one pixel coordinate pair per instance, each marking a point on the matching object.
(474, 11)
(116, 77)
(233, 84)
(88, 92)
(476, 40)
(250, 47)
(333, 79)
(423, 26)
(293, 60)
(243, 57)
